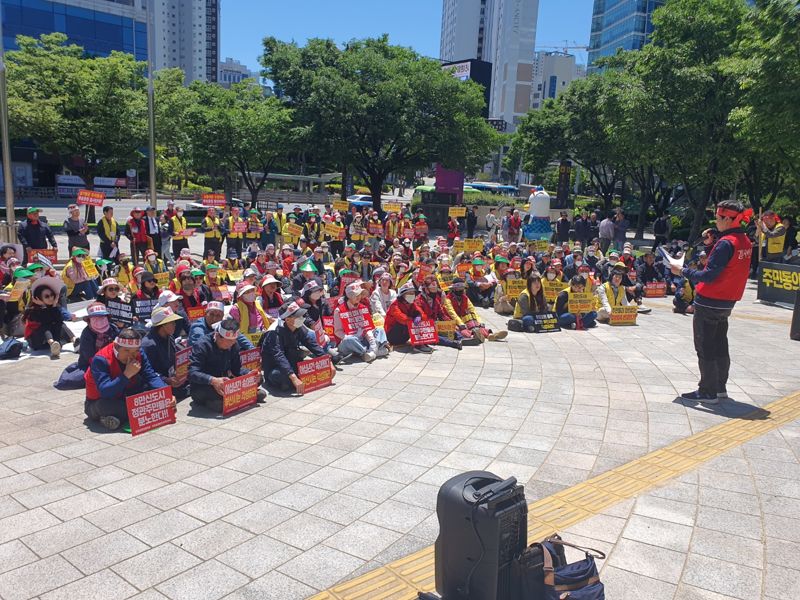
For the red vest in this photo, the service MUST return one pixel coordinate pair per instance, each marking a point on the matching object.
(114, 369)
(732, 280)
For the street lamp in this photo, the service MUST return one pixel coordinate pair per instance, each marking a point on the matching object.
(6, 145)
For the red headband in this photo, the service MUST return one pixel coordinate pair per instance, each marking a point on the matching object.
(738, 217)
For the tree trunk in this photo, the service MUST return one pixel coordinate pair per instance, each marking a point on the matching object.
(644, 204)
(699, 214)
(375, 189)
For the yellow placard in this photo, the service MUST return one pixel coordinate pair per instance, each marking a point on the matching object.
(162, 279)
(446, 280)
(341, 206)
(333, 231)
(580, 303)
(552, 289)
(446, 328)
(254, 337)
(17, 291)
(390, 207)
(473, 245)
(90, 268)
(539, 245)
(235, 275)
(514, 287)
(377, 320)
(457, 211)
(623, 315)
(294, 230)
(459, 246)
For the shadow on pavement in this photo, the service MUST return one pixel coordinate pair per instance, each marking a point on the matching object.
(733, 409)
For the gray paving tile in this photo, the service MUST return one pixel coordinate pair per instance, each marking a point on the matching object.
(121, 514)
(732, 579)
(650, 561)
(163, 527)
(748, 526)
(304, 531)
(260, 516)
(363, 540)
(24, 523)
(15, 554)
(104, 585)
(130, 487)
(320, 567)
(213, 506)
(716, 544)
(37, 578)
(155, 565)
(272, 586)
(656, 532)
(208, 581)
(298, 496)
(212, 539)
(103, 552)
(258, 556)
(61, 537)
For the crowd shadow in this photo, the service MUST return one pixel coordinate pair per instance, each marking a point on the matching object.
(730, 408)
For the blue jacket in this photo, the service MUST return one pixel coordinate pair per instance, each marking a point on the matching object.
(208, 361)
(281, 348)
(120, 387)
(199, 329)
(160, 352)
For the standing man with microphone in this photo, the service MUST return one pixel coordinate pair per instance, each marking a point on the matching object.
(718, 287)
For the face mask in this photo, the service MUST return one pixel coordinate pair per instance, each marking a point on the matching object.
(152, 259)
(316, 296)
(584, 275)
(296, 322)
(578, 263)
(249, 297)
(78, 259)
(551, 276)
(409, 298)
(591, 252)
(99, 324)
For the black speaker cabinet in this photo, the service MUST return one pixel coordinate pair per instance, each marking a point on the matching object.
(483, 523)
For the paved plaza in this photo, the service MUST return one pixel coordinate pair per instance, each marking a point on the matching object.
(285, 500)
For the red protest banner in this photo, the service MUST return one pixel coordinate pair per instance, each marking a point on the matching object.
(408, 232)
(150, 410)
(423, 271)
(345, 280)
(656, 289)
(182, 364)
(240, 227)
(375, 229)
(49, 254)
(251, 359)
(91, 198)
(315, 373)
(327, 325)
(424, 333)
(195, 312)
(421, 228)
(240, 392)
(215, 200)
(356, 319)
(186, 233)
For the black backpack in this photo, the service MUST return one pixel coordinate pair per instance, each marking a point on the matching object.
(10, 349)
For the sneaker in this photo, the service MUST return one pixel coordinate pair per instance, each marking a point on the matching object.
(497, 336)
(643, 310)
(573, 326)
(261, 395)
(110, 423)
(368, 357)
(530, 329)
(422, 349)
(698, 396)
(55, 349)
(76, 345)
(459, 345)
(382, 351)
(473, 341)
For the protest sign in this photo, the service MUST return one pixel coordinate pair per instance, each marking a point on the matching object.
(294, 230)
(90, 268)
(220, 293)
(423, 271)
(341, 206)
(345, 280)
(150, 410)
(623, 315)
(655, 289)
(514, 287)
(424, 332)
(17, 291)
(778, 282)
(539, 245)
(356, 320)
(46, 256)
(215, 200)
(545, 323)
(143, 308)
(463, 268)
(251, 359)
(254, 338)
(457, 211)
(315, 373)
(473, 245)
(375, 229)
(240, 392)
(90, 198)
(182, 364)
(240, 227)
(552, 289)
(162, 279)
(446, 280)
(421, 228)
(327, 325)
(195, 312)
(408, 232)
(235, 275)
(446, 329)
(392, 207)
(334, 232)
(120, 312)
(580, 303)
(459, 246)
(186, 233)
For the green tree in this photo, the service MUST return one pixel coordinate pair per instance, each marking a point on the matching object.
(89, 111)
(380, 108)
(240, 130)
(173, 101)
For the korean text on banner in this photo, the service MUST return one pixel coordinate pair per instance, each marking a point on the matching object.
(336, 233)
(446, 329)
(150, 410)
(315, 373)
(195, 312)
(90, 268)
(392, 207)
(143, 307)
(46, 256)
(580, 303)
(545, 323)
(421, 228)
(514, 287)
(17, 291)
(375, 229)
(473, 245)
(655, 289)
(182, 365)
(251, 359)
(457, 211)
(91, 198)
(408, 233)
(623, 315)
(424, 332)
(240, 392)
(120, 312)
(294, 230)
(552, 289)
(356, 320)
(187, 233)
(215, 200)
(341, 206)
(162, 279)
(240, 227)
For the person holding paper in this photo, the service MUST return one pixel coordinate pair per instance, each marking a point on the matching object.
(177, 225)
(283, 348)
(352, 324)
(718, 286)
(214, 359)
(98, 333)
(76, 279)
(612, 294)
(568, 319)
(530, 303)
(116, 371)
(34, 234)
(159, 347)
(76, 229)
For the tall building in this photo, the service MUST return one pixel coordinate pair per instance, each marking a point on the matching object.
(100, 26)
(232, 71)
(620, 24)
(187, 37)
(503, 33)
(552, 74)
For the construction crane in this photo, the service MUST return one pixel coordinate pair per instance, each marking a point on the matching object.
(565, 47)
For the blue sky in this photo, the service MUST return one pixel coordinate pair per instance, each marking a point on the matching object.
(414, 23)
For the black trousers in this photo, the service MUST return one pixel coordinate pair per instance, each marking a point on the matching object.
(207, 396)
(711, 343)
(177, 246)
(106, 407)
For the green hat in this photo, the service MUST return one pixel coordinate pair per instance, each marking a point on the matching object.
(35, 266)
(291, 216)
(254, 211)
(423, 217)
(32, 209)
(500, 259)
(353, 246)
(102, 262)
(477, 261)
(22, 273)
(308, 267)
(79, 252)
(212, 267)
(312, 215)
(345, 272)
(197, 273)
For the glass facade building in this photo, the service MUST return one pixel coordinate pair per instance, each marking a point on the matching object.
(99, 31)
(620, 24)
